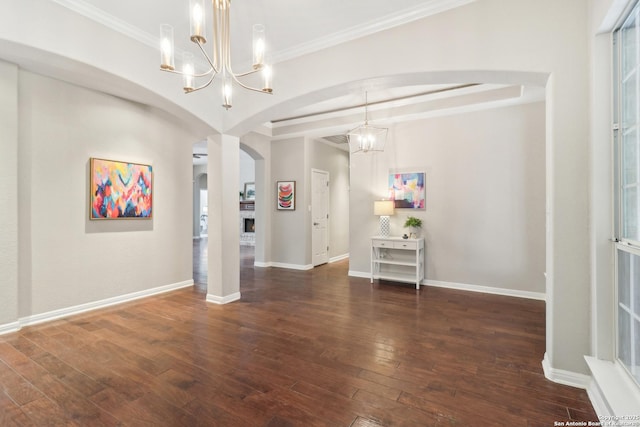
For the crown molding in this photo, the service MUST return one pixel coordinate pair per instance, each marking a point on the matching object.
(428, 8)
(110, 21)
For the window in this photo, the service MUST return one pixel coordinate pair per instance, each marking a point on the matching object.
(627, 143)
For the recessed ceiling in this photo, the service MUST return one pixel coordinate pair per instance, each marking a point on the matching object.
(376, 99)
(337, 116)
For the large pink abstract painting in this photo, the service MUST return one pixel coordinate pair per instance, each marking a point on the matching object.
(407, 190)
(120, 190)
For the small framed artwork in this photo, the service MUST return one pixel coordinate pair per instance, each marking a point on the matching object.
(249, 191)
(407, 190)
(286, 195)
(120, 190)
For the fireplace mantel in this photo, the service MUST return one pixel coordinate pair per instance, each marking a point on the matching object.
(247, 205)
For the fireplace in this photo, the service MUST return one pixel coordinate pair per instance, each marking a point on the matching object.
(249, 225)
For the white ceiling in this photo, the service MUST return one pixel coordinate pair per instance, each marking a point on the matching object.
(293, 27)
(297, 27)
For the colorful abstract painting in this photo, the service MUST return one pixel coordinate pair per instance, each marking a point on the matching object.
(407, 190)
(120, 190)
(286, 195)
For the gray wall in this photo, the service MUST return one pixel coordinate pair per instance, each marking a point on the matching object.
(8, 193)
(67, 260)
(336, 162)
(289, 228)
(293, 159)
(484, 222)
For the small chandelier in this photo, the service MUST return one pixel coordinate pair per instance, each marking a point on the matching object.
(365, 137)
(220, 61)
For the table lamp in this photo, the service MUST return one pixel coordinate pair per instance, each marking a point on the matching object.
(384, 208)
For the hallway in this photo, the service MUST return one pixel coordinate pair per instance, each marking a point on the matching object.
(247, 257)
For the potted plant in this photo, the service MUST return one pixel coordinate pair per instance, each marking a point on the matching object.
(413, 224)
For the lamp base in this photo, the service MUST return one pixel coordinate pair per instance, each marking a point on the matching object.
(385, 226)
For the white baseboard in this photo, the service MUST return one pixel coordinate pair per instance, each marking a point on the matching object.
(223, 300)
(561, 376)
(83, 308)
(338, 258)
(467, 287)
(292, 266)
(361, 274)
(296, 266)
(262, 264)
(486, 289)
(7, 328)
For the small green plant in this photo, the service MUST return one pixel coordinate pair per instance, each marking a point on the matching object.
(413, 222)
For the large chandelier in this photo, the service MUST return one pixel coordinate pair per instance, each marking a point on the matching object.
(365, 137)
(220, 61)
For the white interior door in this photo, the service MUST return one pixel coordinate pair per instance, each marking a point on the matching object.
(320, 216)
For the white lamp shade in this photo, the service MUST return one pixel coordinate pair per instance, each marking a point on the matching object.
(383, 207)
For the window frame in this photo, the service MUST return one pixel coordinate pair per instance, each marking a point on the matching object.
(622, 242)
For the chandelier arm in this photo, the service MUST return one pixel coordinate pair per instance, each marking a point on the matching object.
(247, 73)
(366, 115)
(182, 73)
(213, 76)
(227, 54)
(226, 43)
(216, 41)
(211, 63)
(235, 78)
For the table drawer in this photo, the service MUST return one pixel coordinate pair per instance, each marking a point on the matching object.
(409, 244)
(382, 244)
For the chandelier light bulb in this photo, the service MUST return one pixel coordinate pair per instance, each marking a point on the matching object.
(363, 145)
(267, 74)
(227, 92)
(166, 47)
(187, 72)
(166, 51)
(259, 57)
(367, 138)
(367, 142)
(197, 19)
(258, 46)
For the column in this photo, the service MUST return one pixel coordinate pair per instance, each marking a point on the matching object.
(223, 169)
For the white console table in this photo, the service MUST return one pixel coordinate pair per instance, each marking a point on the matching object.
(397, 259)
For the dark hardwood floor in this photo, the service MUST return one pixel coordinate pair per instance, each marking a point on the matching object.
(312, 348)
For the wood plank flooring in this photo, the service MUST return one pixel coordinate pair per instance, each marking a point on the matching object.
(312, 348)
